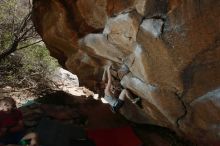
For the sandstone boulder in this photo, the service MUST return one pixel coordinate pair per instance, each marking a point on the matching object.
(171, 50)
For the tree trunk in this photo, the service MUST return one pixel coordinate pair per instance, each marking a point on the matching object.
(10, 50)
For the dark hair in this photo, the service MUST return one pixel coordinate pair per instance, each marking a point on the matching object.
(10, 100)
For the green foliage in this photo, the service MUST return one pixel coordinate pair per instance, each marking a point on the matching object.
(7, 22)
(12, 12)
(37, 59)
(27, 67)
(6, 8)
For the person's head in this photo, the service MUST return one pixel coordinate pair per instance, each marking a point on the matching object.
(115, 90)
(7, 104)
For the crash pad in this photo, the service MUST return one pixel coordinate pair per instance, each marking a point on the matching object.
(122, 136)
(55, 133)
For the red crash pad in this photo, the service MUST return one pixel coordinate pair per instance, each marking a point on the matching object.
(123, 136)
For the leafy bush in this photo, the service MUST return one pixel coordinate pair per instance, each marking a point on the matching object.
(22, 62)
(29, 67)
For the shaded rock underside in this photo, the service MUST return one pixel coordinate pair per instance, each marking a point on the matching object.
(171, 48)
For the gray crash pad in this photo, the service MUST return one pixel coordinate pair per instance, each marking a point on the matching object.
(55, 133)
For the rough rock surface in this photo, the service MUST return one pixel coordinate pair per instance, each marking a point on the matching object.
(171, 48)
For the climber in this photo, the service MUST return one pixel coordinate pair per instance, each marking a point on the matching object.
(111, 92)
(11, 125)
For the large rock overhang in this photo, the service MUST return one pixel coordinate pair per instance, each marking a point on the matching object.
(171, 48)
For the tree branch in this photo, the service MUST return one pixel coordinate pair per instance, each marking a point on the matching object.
(29, 45)
(10, 50)
(25, 31)
(24, 22)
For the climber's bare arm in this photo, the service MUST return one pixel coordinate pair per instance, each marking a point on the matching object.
(108, 86)
(104, 76)
(126, 93)
(33, 137)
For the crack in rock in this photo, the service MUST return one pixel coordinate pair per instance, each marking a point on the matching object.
(184, 108)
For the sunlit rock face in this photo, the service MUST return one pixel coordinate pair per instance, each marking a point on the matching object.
(171, 48)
